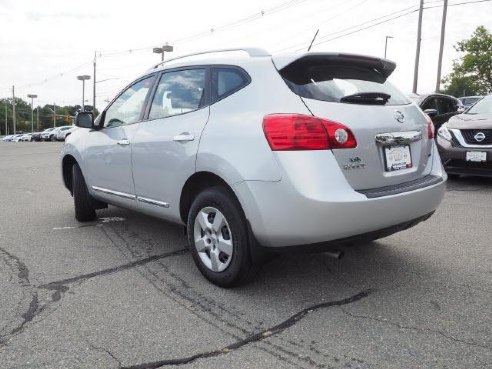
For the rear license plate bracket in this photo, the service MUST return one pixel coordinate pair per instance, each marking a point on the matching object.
(397, 158)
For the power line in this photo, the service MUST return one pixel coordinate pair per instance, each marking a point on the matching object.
(326, 38)
(358, 25)
(59, 75)
(212, 30)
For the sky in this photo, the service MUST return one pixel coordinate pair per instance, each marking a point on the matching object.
(45, 45)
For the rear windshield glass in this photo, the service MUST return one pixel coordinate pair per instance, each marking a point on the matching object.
(332, 82)
(484, 106)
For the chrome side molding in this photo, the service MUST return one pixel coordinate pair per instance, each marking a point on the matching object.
(114, 193)
(153, 202)
(124, 195)
(398, 138)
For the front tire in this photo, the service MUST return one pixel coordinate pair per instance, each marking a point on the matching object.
(83, 202)
(218, 238)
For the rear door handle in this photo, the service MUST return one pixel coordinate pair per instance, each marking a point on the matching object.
(123, 142)
(185, 136)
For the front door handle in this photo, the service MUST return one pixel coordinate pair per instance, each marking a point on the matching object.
(185, 136)
(123, 142)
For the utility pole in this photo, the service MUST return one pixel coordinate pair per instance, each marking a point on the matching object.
(417, 53)
(441, 46)
(54, 115)
(94, 88)
(6, 125)
(13, 106)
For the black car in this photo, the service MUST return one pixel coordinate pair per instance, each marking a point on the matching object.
(36, 136)
(439, 107)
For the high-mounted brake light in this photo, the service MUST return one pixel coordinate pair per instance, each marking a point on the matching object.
(289, 132)
(430, 127)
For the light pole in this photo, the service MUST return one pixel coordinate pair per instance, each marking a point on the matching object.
(386, 45)
(8, 100)
(161, 50)
(83, 79)
(32, 97)
(6, 125)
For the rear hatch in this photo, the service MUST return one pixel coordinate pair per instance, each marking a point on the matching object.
(393, 144)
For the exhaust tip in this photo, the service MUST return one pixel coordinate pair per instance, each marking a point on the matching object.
(334, 254)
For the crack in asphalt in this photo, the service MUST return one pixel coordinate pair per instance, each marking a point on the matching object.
(183, 294)
(417, 329)
(255, 337)
(23, 278)
(60, 286)
(106, 351)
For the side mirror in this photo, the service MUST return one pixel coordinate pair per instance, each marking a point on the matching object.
(84, 120)
(431, 112)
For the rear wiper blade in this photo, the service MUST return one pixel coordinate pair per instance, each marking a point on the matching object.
(370, 98)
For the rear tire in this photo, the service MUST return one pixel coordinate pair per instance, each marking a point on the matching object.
(218, 238)
(83, 201)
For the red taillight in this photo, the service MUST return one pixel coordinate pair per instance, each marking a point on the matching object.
(430, 127)
(286, 132)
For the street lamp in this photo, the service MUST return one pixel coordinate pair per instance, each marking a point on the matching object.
(386, 45)
(161, 50)
(32, 97)
(83, 79)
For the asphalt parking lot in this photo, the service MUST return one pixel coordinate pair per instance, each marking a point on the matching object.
(123, 292)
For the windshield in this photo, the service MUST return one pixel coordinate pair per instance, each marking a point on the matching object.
(483, 106)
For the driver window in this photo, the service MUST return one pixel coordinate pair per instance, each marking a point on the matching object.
(126, 109)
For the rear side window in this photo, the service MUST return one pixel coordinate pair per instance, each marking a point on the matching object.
(226, 81)
(178, 92)
(333, 81)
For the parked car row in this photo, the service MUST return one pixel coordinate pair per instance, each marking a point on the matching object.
(49, 134)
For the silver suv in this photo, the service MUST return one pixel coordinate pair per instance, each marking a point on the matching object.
(254, 152)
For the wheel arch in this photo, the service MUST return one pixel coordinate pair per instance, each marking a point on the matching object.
(197, 183)
(67, 164)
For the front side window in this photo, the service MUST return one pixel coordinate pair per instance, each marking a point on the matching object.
(126, 109)
(178, 92)
(430, 103)
(446, 105)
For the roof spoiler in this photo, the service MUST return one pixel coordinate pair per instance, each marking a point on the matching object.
(383, 66)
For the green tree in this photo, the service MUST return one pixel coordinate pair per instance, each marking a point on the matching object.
(472, 72)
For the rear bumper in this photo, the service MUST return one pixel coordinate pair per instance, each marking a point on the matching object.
(354, 240)
(281, 217)
(283, 214)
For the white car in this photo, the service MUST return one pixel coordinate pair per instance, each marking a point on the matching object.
(16, 138)
(27, 137)
(253, 152)
(64, 132)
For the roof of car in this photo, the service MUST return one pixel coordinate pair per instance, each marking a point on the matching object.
(421, 97)
(248, 54)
